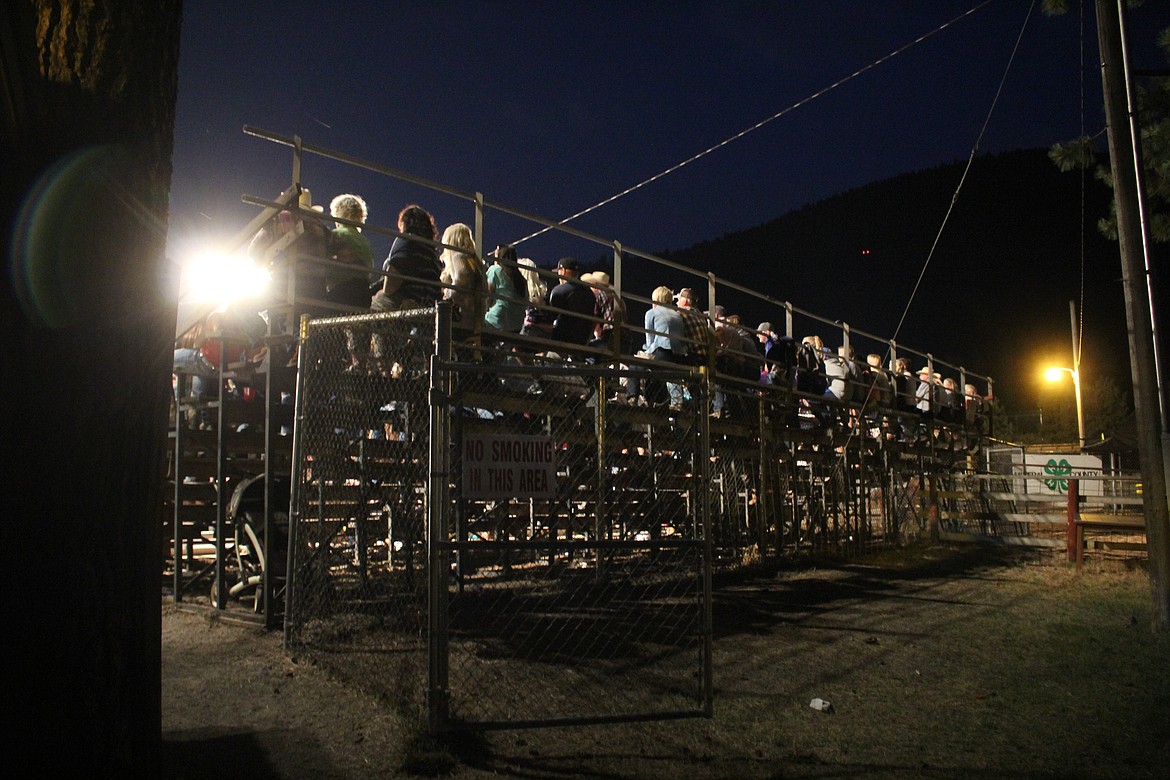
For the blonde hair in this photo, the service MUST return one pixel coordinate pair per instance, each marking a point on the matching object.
(350, 207)
(458, 235)
(463, 255)
(537, 289)
(662, 295)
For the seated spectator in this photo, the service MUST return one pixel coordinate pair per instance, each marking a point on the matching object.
(611, 310)
(879, 396)
(735, 356)
(348, 245)
(767, 348)
(939, 405)
(507, 291)
(905, 396)
(573, 323)
(779, 353)
(978, 413)
(858, 387)
(746, 355)
(590, 281)
(412, 267)
(228, 339)
(973, 411)
(411, 281)
(664, 341)
(311, 245)
(924, 393)
(696, 327)
(880, 390)
(839, 374)
(538, 320)
(810, 367)
(727, 358)
(467, 289)
(463, 273)
(952, 402)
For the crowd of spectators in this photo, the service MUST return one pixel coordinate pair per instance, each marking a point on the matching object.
(582, 317)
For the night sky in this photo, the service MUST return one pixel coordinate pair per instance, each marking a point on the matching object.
(551, 107)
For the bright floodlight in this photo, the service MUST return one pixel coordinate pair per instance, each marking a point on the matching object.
(214, 277)
(1053, 374)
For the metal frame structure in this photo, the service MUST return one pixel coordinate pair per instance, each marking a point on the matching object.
(781, 474)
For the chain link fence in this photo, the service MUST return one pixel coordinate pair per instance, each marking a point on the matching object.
(492, 535)
(500, 534)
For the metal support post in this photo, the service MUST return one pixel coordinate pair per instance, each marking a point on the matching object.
(437, 511)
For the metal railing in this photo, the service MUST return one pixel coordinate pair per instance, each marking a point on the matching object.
(797, 322)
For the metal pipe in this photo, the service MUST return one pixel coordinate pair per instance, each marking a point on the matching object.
(437, 510)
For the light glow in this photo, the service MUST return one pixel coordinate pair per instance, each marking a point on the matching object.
(214, 277)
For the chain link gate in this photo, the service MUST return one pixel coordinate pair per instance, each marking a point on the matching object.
(358, 559)
(521, 558)
(579, 586)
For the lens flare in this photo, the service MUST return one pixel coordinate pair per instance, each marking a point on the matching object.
(49, 247)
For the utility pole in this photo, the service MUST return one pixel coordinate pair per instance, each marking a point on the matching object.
(1143, 371)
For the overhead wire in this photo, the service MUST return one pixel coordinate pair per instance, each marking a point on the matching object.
(809, 99)
(954, 199)
(966, 170)
(761, 123)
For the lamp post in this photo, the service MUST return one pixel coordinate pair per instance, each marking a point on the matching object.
(1053, 375)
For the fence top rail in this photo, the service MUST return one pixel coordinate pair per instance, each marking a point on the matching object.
(1069, 477)
(331, 154)
(677, 371)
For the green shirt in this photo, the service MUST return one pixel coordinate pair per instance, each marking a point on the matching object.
(348, 246)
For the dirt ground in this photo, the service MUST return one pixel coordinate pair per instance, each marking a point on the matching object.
(938, 662)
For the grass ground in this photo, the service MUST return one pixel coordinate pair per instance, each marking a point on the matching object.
(939, 662)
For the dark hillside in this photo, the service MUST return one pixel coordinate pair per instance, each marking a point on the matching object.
(995, 295)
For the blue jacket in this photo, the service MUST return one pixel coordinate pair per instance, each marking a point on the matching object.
(667, 331)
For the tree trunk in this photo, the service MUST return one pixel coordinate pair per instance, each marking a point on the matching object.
(1137, 310)
(87, 311)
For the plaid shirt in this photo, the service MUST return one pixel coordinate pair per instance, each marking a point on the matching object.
(604, 309)
(697, 331)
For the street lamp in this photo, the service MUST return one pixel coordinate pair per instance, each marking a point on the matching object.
(1053, 375)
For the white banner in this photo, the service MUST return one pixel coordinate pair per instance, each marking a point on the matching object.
(1054, 471)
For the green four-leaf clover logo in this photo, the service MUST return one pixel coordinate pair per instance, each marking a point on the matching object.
(1058, 473)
